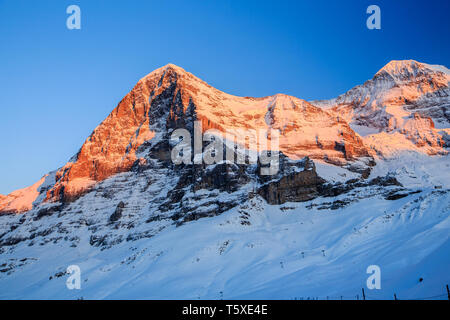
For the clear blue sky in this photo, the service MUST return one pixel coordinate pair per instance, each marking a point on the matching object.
(57, 84)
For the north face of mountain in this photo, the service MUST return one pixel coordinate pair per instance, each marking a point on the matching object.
(171, 98)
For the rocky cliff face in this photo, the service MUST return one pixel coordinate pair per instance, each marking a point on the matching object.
(171, 98)
(297, 182)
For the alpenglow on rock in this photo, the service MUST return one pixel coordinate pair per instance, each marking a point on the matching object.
(171, 98)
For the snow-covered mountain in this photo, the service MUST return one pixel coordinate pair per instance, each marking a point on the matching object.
(363, 179)
(405, 106)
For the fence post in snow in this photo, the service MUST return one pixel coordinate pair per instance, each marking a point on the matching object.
(363, 294)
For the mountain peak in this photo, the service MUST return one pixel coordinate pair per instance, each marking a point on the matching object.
(398, 66)
(171, 66)
(411, 67)
(162, 70)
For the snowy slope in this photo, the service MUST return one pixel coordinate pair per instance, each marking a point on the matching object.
(278, 256)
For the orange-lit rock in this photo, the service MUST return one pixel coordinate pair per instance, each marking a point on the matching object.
(111, 148)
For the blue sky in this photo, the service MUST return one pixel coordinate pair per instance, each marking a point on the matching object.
(57, 84)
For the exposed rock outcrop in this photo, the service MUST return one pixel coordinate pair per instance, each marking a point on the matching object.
(293, 186)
